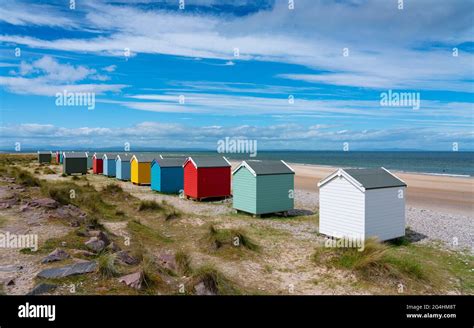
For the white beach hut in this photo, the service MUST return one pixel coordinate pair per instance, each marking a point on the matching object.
(362, 203)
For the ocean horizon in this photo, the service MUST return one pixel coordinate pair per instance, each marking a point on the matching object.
(452, 163)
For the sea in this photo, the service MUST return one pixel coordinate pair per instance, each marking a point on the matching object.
(453, 163)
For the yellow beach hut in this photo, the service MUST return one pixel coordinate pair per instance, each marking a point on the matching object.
(140, 168)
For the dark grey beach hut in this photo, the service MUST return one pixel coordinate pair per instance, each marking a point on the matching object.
(44, 157)
(74, 163)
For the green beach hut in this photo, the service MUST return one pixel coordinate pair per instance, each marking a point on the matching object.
(44, 157)
(262, 187)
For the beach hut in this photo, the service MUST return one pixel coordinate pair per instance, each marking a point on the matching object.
(206, 177)
(167, 174)
(108, 166)
(140, 168)
(362, 203)
(262, 187)
(89, 160)
(122, 166)
(74, 163)
(44, 157)
(61, 156)
(56, 157)
(97, 163)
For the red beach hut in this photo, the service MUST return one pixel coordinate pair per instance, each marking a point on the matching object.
(206, 177)
(97, 163)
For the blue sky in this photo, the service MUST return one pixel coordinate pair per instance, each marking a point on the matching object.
(334, 58)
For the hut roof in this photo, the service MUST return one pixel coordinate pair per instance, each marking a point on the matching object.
(208, 161)
(375, 178)
(170, 162)
(110, 155)
(75, 155)
(146, 157)
(259, 167)
(124, 156)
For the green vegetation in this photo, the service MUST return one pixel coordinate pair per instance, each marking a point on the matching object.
(183, 263)
(149, 205)
(418, 268)
(106, 264)
(214, 281)
(144, 233)
(219, 238)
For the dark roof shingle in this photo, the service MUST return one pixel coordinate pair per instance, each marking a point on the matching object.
(269, 167)
(170, 162)
(375, 178)
(210, 162)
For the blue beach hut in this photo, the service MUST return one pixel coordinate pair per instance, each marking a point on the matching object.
(167, 174)
(122, 166)
(108, 160)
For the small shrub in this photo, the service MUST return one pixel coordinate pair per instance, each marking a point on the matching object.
(229, 237)
(149, 205)
(183, 263)
(27, 179)
(106, 264)
(113, 189)
(214, 281)
(60, 194)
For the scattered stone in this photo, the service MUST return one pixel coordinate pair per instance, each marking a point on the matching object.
(203, 289)
(63, 244)
(56, 255)
(74, 223)
(125, 257)
(95, 244)
(113, 247)
(42, 288)
(167, 261)
(10, 282)
(69, 270)
(10, 268)
(104, 237)
(70, 212)
(133, 280)
(44, 202)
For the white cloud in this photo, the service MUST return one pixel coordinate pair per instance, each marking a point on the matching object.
(46, 77)
(294, 136)
(388, 47)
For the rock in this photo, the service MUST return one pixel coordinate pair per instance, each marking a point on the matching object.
(69, 270)
(113, 247)
(100, 235)
(44, 202)
(126, 258)
(70, 212)
(167, 261)
(63, 244)
(42, 288)
(104, 237)
(10, 282)
(202, 289)
(95, 244)
(133, 280)
(74, 223)
(56, 255)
